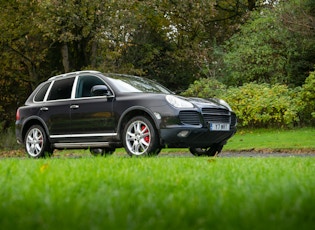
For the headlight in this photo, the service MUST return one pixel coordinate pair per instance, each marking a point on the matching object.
(224, 103)
(178, 102)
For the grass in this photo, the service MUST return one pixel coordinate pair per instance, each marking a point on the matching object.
(119, 192)
(157, 193)
(302, 139)
(273, 139)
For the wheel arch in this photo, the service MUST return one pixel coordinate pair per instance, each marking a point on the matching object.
(34, 121)
(136, 111)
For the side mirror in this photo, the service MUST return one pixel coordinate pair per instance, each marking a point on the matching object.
(99, 90)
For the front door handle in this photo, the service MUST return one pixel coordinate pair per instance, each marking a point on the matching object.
(43, 109)
(74, 106)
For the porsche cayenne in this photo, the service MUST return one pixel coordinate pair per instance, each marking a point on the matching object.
(102, 112)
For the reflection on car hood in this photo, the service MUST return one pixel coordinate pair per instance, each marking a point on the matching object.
(201, 102)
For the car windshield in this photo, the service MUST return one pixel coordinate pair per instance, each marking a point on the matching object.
(133, 84)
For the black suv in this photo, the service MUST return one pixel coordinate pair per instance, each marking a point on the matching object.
(101, 112)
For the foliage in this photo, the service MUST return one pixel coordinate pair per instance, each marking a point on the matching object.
(307, 100)
(173, 42)
(263, 105)
(256, 105)
(266, 50)
(205, 88)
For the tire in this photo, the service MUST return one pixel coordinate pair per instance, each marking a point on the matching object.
(102, 151)
(210, 151)
(36, 142)
(140, 138)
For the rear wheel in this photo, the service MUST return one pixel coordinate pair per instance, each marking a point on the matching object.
(140, 137)
(36, 142)
(102, 151)
(210, 151)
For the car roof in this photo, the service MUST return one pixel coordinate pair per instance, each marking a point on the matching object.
(74, 74)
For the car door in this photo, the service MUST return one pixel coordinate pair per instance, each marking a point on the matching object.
(55, 111)
(91, 116)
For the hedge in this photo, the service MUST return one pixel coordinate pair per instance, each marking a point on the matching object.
(263, 105)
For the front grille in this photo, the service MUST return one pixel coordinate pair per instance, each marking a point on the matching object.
(216, 118)
(216, 115)
(209, 115)
(215, 111)
(189, 117)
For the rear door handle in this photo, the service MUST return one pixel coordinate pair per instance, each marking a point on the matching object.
(43, 109)
(74, 106)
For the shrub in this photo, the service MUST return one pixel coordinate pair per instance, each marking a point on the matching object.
(263, 105)
(205, 88)
(256, 105)
(307, 100)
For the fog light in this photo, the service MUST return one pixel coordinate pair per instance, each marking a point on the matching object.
(183, 133)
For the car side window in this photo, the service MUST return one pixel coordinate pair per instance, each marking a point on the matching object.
(85, 84)
(40, 95)
(61, 89)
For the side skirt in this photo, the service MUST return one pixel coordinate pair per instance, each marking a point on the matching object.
(84, 145)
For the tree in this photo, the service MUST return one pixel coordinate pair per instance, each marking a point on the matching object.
(22, 51)
(76, 28)
(173, 40)
(266, 51)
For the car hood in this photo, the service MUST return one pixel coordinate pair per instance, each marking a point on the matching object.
(210, 102)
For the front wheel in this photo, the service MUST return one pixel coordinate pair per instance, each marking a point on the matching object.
(36, 142)
(140, 137)
(210, 151)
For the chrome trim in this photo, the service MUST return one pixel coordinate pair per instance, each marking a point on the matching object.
(48, 91)
(82, 145)
(84, 135)
(74, 86)
(71, 74)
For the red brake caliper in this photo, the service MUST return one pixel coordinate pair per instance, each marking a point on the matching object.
(147, 138)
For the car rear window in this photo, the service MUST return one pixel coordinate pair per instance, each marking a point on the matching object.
(61, 89)
(40, 95)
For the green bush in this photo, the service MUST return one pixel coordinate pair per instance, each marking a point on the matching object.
(256, 105)
(307, 100)
(205, 88)
(263, 105)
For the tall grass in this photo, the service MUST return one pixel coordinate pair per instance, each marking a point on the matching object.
(157, 193)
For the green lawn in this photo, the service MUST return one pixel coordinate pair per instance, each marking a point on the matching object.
(273, 139)
(120, 192)
(296, 140)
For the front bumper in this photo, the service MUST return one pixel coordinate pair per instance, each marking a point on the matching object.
(196, 137)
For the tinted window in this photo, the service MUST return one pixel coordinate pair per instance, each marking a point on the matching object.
(85, 84)
(40, 95)
(61, 89)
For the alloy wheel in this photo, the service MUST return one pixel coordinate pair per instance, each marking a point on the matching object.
(138, 137)
(34, 142)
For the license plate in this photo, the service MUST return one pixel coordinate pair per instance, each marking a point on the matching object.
(219, 127)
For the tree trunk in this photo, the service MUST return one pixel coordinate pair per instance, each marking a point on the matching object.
(65, 57)
(93, 54)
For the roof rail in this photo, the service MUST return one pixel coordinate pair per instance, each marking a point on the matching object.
(73, 73)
